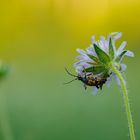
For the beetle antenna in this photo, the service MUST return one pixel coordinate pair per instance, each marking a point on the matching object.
(70, 73)
(70, 81)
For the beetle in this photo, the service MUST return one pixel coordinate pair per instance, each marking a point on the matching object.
(89, 79)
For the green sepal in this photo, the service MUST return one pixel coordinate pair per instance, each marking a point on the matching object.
(92, 63)
(96, 69)
(93, 58)
(111, 49)
(103, 57)
(118, 59)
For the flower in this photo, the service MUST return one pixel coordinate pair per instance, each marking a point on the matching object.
(100, 56)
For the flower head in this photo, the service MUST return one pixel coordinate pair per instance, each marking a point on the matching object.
(100, 56)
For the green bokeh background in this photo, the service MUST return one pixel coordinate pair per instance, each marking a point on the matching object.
(38, 39)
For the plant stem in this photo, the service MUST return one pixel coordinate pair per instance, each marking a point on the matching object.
(126, 102)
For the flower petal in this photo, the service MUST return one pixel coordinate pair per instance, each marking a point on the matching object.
(123, 67)
(118, 35)
(79, 58)
(81, 63)
(122, 46)
(81, 51)
(94, 90)
(92, 39)
(117, 80)
(102, 46)
(129, 53)
(109, 80)
(83, 58)
(115, 35)
(79, 70)
(102, 38)
(90, 50)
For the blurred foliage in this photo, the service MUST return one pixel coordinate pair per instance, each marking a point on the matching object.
(3, 70)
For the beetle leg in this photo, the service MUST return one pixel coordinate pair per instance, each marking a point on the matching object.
(101, 85)
(97, 86)
(85, 72)
(85, 86)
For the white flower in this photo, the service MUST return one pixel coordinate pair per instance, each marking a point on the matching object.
(101, 54)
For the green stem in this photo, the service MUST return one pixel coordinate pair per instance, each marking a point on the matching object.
(126, 102)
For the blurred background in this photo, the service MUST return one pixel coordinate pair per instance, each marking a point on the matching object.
(38, 38)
